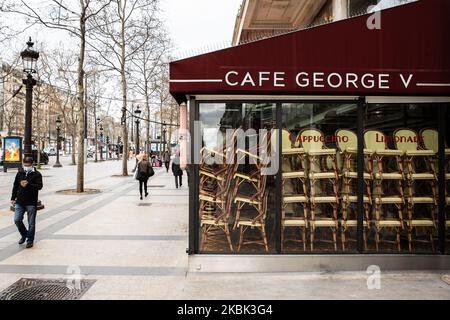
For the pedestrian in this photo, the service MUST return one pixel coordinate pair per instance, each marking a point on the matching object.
(139, 158)
(176, 170)
(24, 197)
(144, 171)
(167, 160)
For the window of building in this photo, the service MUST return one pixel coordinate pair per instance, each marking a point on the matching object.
(237, 173)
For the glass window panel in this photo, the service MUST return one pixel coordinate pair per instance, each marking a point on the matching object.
(319, 206)
(237, 197)
(401, 140)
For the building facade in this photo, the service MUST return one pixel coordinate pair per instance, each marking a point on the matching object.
(323, 148)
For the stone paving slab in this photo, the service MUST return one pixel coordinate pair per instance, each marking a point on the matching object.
(137, 252)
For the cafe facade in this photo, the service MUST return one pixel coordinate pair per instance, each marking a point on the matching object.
(321, 149)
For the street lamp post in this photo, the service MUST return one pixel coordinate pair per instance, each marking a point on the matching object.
(97, 120)
(58, 128)
(137, 112)
(164, 135)
(101, 142)
(29, 59)
(107, 148)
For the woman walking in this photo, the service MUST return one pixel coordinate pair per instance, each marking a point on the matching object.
(144, 171)
(176, 170)
(167, 160)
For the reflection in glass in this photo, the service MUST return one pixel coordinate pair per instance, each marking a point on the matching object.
(404, 197)
(237, 209)
(318, 205)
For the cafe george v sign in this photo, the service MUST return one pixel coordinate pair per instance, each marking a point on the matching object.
(408, 55)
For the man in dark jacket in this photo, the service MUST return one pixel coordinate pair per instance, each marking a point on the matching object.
(24, 196)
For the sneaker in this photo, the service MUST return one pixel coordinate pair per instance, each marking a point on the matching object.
(146, 194)
(29, 245)
(22, 240)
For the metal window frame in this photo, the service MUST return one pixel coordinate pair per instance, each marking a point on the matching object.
(362, 103)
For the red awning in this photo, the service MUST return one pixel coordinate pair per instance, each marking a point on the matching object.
(408, 55)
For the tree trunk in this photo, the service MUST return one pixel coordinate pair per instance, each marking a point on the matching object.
(124, 97)
(147, 106)
(81, 102)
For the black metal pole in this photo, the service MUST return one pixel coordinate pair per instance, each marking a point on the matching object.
(441, 179)
(360, 174)
(137, 137)
(29, 82)
(101, 146)
(57, 164)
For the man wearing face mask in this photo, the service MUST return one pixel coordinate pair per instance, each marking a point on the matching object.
(24, 196)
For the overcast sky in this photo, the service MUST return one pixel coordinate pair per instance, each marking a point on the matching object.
(195, 24)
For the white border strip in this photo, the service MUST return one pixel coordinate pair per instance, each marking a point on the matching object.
(196, 80)
(433, 84)
(393, 99)
(269, 97)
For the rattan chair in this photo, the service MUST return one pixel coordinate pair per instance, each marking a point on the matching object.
(255, 199)
(347, 142)
(294, 190)
(322, 167)
(375, 141)
(215, 192)
(407, 141)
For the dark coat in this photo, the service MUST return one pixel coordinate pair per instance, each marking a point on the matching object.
(27, 196)
(176, 169)
(144, 169)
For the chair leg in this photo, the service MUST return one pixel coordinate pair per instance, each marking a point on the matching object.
(343, 239)
(335, 239)
(410, 239)
(241, 237)
(377, 240)
(282, 238)
(312, 238)
(227, 232)
(204, 236)
(398, 240)
(432, 240)
(304, 238)
(263, 231)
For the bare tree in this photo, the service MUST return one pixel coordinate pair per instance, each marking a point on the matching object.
(71, 17)
(118, 29)
(145, 65)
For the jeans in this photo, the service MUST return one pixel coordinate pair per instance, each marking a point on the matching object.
(142, 182)
(18, 220)
(176, 181)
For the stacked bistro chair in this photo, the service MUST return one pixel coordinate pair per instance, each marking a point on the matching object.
(257, 197)
(389, 168)
(215, 191)
(407, 141)
(347, 142)
(430, 141)
(294, 194)
(322, 168)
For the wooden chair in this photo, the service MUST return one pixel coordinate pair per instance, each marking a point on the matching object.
(257, 198)
(293, 176)
(347, 142)
(322, 167)
(257, 201)
(430, 141)
(375, 141)
(215, 193)
(407, 141)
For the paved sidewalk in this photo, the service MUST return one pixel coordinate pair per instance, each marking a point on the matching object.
(137, 249)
